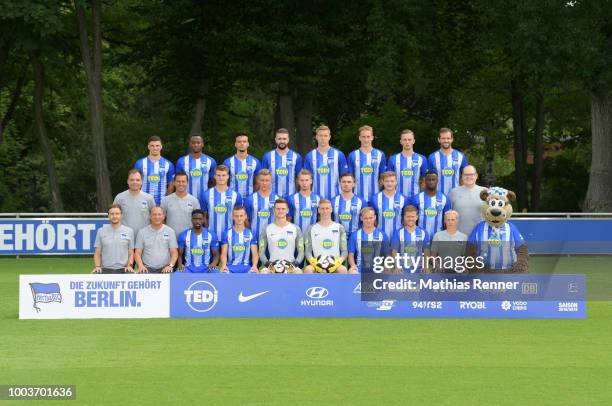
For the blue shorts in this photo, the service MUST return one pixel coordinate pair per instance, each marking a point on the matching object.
(200, 269)
(239, 268)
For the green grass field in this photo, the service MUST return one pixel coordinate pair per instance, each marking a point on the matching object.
(309, 361)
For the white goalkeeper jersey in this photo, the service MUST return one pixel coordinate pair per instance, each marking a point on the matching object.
(326, 240)
(281, 242)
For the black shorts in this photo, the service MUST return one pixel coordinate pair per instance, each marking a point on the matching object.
(113, 271)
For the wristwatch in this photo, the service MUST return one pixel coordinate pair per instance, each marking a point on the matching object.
(171, 265)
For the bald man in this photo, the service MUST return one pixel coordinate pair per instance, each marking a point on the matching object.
(465, 199)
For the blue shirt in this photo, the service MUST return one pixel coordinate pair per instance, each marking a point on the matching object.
(197, 249)
(409, 171)
(346, 212)
(449, 169)
(326, 170)
(200, 171)
(260, 211)
(303, 210)
(367, 168)
(389, 211)
(219, 207)
(497, 245)
(155, 176)
(242, 174)
(238, 246)
(284, 169)
(412, 244)
(378, 242)
(431, 211)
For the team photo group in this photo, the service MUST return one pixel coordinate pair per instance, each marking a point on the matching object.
(324, 212)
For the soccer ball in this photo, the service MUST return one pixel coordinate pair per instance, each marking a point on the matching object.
(281, 266)
(326, 264)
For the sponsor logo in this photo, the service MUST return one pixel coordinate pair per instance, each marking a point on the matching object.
(407, 173)
(515, 305)
(472, 305)
(323, 170)
(242, 298)
(568, 306)
(306, 213)
(388, 214)
(263, 213)
(495, 242)
(345, 216)
(195, 173)
(282, 171)
(367, 170)
(201, 296)
(238, 248)
(197, 251)
(357, 289)
(328, 244)
(144, 205)
(317, 295)
(506, 305)
(153, 178)
(242, 176)
(431, 212)
(448, 172)
(385, 305)
(282, 243)
(220, 209)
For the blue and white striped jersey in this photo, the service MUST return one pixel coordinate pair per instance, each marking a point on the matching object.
(197, 249)
(303, 210)
(497, 245)
(409, 170)
(156, 176)
(242, 174)
(284, 169)
(449, 169)
(431, 211)
(389, 211)
(238, 246)
(200, 171)
(413, 244)
(219, 207)
(346, 212)
(367, 167)
(326, 170)
(376, 242)
(260, 210)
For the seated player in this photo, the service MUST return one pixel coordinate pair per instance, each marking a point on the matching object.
(366, 243)
(239, 246)
(449, 243)
(198, 246)
(114, 245)
(281, 246)
(156, 245)
(325, 243)
(410, 241)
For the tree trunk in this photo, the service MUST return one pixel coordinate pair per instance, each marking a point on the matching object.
(304, 122)
(200, 107)
(92, 62)
(15, 96)
(489, 172)
(538, 153)
(285, 110)
(519, 124)
(45, 145)
(599, 192)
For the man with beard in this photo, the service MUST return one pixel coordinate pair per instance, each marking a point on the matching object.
(326, 164)
(135, 204)
(200, 167)
(283, 163)
(218, 202)
(447, 162)
(243, 167)
(179, 205)
(156, 246)
(198, 246)
(114, 245)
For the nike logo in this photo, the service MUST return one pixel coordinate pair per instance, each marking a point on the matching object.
(242, 298)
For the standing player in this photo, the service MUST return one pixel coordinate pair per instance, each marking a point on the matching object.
(389, 204)
(326, 163)
(239, 246)
(179, 205)
(347, 205)
(281, 240)
(259, 205)
(447, 162)
(243, 167)
(323, 240)
(135, 204)
(283, 163)
(198, 246)
(409, 166)
(114, 245)
(156, 246)
(366, 243)
(431, 204)
(466, 200)
(200, 167)
(219, 201)
(411, 240)
(303, 204)
(366, 164)
(157, 171)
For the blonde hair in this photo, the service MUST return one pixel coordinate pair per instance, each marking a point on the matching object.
(322, 127)
(384, 176)
(365, 128)
(455, 212)
(407, 131)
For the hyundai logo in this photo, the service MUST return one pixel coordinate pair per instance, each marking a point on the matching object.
(317, 292)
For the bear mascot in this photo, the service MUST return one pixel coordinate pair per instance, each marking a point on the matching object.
(495, 241)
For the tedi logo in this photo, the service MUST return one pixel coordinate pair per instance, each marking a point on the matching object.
(317, 295)
(201, 296)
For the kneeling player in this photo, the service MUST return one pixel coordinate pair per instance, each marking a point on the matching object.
(199, 246)
(411, 242)
(281, 246)
(325, 243)
(238, 246)
(366, 243)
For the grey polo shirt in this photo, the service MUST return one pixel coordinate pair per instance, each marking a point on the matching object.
(155, 245)
(446, 245)
(135, 209)
(115, 245)
(178, 211)
(468, 204)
